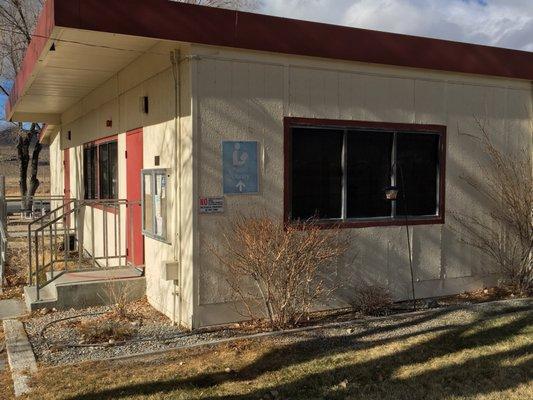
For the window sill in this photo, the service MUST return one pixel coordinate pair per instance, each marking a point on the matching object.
(349, 224)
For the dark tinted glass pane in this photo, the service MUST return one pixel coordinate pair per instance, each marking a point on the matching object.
(94, 161)
(104, 171)
(86, 172)
(417, 155)
(368, 166)
(316, 173)
(113, 170)
(89, 172)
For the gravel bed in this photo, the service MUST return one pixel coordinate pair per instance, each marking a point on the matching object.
(152, 334)
(148, 336)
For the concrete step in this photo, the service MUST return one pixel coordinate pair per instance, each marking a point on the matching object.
(88, 288)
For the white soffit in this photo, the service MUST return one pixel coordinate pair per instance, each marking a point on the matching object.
(81, 62)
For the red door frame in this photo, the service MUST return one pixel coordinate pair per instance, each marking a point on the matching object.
(134, 165)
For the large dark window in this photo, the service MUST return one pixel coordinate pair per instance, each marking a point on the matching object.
(101, 171)
(341, 172)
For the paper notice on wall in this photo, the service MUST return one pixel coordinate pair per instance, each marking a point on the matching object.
(158, 216)
(159, 226)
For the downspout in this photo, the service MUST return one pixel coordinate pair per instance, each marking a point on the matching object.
(177, 286)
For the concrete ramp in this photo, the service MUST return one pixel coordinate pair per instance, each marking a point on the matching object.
(88, 288)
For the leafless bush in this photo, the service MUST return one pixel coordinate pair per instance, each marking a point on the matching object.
(98, 330)
(119, 295)
(278, 269)
(505, 233)
(371, 299)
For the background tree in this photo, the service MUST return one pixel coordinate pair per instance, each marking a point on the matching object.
(17, 22)
(232, 4)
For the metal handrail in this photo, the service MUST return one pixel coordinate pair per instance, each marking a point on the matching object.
(49, 226)
(40, 221)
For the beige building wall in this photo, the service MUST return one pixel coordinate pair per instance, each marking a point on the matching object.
(118, 100)
(245, 95)
(229, 94)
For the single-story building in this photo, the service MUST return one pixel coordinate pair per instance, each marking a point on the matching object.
(203, 113)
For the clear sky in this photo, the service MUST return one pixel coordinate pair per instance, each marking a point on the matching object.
(503, 23)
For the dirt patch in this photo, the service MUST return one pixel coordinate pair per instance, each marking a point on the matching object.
(16, 272)
(481, 296)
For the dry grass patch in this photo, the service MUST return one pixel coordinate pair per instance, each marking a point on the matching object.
(103, 330)
(440, 357)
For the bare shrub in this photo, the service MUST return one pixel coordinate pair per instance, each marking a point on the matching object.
(371, 299)
(99, 330)
(118, 294)
(505, 233)
(277, 270)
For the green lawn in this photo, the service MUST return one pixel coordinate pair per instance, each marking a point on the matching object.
(446, 355)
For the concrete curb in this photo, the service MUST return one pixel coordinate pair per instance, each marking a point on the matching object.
(20, 355)
(356, 322)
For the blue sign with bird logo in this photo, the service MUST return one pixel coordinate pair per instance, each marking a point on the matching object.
(240, 168)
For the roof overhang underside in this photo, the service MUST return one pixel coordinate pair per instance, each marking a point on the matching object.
(63, 65)
(80, 44)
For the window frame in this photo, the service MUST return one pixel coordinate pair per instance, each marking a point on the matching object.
(96, 144)
(153, 173)
(399, 220)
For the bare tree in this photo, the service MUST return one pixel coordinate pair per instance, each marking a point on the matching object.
(278, 271)
(231, 4)
(17, 22)
(505, 232)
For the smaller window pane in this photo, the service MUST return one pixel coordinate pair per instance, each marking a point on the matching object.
(417, 173)
(103, 167)
(316, 173)
(89, 172)
(368, 168)
(113, 170)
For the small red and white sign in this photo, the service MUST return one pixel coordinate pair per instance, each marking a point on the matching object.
(211, 205)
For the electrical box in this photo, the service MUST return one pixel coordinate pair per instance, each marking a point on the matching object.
(171, 271)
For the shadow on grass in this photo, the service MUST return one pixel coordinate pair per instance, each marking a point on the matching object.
(377, 378)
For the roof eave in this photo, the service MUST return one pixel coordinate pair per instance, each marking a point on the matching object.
(167, 20)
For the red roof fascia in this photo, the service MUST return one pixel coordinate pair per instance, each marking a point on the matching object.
(170, 20)
(43, 30)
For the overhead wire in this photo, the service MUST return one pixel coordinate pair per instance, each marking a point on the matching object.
(59, 40)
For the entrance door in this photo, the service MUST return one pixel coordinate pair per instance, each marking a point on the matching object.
(134, 165)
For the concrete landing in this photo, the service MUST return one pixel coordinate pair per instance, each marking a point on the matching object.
(12, 308)
(86, 289)
(19, 355)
